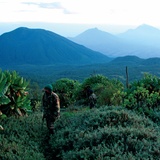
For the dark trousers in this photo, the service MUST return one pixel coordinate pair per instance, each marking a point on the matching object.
(92, 103)
(50, 123)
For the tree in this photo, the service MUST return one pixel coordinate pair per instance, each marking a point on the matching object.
(108, 91)
(66, 89)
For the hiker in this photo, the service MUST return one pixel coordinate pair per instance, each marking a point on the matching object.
(92, 98)
(51, 107)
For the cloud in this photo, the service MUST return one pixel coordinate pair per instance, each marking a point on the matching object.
(53, 5)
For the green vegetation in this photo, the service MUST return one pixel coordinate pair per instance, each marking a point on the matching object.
(22, 138)
(106, 133)
(107, 90)
(103, 133)
(124, 124)
(44, 74)
(66, 89)
(13, 94)
(144, 96)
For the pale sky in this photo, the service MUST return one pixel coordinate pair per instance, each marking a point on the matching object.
(100, 12)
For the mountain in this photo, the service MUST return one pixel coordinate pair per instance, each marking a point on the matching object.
(95, 36)
(144, 42)
(39, 46)
(143, 34)
(101, 41)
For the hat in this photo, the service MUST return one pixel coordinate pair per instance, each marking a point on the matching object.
(48, 87)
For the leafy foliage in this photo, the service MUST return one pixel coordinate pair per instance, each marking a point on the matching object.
(66, 89)
(13, 94)
(22, 138)
(106, 133)
(108, 91)
(143, 95)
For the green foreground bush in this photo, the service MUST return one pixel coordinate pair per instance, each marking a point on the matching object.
(106, 133)
(21, 138)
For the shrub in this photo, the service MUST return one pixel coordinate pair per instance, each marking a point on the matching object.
(66, 89)
(21, 138)
(106, 133)
(108, 91)
(143, 96)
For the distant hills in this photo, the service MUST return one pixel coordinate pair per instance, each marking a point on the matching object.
(144, 42)
(144, 35)
(116, 69)
(42, 47)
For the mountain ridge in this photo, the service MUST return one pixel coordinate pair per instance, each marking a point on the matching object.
(143, 41)
(145, 34)
(99, 41)
(39, 46)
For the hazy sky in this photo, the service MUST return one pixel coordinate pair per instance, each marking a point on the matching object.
(97, 12)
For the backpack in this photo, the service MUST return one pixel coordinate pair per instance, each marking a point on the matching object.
(92, 97)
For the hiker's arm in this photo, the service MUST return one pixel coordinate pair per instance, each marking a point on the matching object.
(57, 106)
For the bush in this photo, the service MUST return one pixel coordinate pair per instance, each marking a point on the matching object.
(106, 133)
(143, 94)
(21, 138)
(108, 91)
(66, 89)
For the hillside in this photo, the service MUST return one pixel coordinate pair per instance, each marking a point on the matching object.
(128, 60)
(101, 41)
(143, 41)
(43, 74)
(92, 37)
(41, 47)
